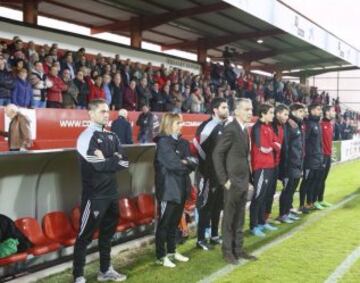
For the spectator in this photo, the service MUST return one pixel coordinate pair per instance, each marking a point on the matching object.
(7, 83)
(68, 64)
(19, 134)
(346, 130)
(144, 93)
(197, 101)
(54, 95)
(96, 90)
(31, 50)
(148, 125)
(71, 93)
(130, 97)
(22, 93)
(122, 128)
(83, 90)
(117, 92)
(40, 84)
(158, 99)
(176, 98)
(187, 100)
(106, 88)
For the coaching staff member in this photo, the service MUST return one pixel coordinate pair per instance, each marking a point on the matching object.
(231, 164)
(101, 156)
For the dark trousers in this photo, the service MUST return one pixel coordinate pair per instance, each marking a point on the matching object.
(209, 214)
(286, 197)
(54, 104)
(102, 214)
(262, 181)
(233, 220)
(310, 181)
(169, 217)
(269, 199)
(319, 196)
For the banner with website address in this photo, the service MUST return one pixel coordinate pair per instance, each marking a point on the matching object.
(59, 128)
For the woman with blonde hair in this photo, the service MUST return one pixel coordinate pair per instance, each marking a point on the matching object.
(173, 164)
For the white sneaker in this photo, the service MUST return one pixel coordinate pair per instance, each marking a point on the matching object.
(166, 262)
(180, 257)
(80, 279)
(111, 275)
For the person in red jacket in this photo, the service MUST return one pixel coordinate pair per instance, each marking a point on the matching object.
(96, 90)
(327, 139)
(130, 97)
(54, 94)
(281, 117)
(264, 145)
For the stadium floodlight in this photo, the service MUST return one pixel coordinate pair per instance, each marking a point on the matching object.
(260, 41)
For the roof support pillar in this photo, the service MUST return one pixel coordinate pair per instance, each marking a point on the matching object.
(135, 33)
(30, 11)
(201, 53)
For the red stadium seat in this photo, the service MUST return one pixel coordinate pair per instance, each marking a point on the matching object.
(32, 230)
(124, 225)
(13, 258)
(57, 227)
(190, 203)
(75, 221)
(142, 218)
(130, 213)
(127, 210)
(146, 205)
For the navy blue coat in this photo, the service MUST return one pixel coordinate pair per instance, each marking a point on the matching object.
(122, 128)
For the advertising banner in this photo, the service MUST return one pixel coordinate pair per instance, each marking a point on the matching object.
(350, 149)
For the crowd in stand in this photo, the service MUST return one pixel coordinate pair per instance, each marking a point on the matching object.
(37, 76)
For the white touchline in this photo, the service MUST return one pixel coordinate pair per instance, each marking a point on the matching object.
(229, 268)
(344, 266)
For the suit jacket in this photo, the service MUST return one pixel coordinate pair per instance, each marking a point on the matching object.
(230, 156)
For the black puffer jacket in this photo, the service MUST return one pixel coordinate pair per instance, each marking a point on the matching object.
(172, 181)
(292, 151)
(313, 143)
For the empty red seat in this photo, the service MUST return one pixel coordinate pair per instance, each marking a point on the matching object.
(57, 227)
(190, 203)
(127, 210)
(75, 221)
(141, 218)
(32, 230)
(146, 205)
(124, 225)
(13, 258)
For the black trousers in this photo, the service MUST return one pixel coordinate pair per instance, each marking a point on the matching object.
(319, 195)
(54, 104)
(233, 220)
(169, 217)
(269, 199)
(209, 214)
(286, 197)
(96, 213)
(262, 181)
(310, 181)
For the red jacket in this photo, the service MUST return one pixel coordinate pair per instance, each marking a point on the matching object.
(96, 92)
(130, 99)
(54, 93)
(327, 136)
(279, 132)
(262, 135)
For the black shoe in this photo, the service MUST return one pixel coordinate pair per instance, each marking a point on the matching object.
(216, 241)
(231, 259)
(305, 210)
(245, 255)
(203, 245)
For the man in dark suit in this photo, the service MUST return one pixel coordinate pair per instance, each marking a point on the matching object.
(231, 164)
(122, 128)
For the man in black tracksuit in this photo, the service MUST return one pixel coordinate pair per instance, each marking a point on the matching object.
(210, 193)
(313, 157)
(101, 156)
(291, 164)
